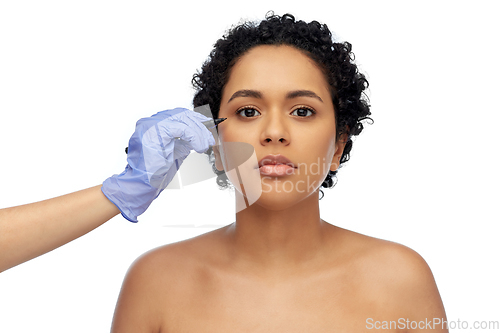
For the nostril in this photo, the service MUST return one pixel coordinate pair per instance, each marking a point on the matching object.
(280, 140)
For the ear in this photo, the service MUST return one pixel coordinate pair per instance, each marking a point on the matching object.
(339, 150)
(218, 160)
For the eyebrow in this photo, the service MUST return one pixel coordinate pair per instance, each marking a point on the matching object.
(289, 95)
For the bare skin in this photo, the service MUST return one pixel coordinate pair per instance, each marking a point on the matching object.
(31, 230)
(184, 287)
(279, 267)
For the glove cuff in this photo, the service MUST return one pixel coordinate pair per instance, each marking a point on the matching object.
(110, 189)
(129, 193)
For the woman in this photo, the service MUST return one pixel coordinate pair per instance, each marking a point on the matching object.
(297, 99)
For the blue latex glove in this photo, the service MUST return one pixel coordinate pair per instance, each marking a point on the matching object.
(154, 156)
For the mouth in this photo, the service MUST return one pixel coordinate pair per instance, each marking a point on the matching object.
(276, 165)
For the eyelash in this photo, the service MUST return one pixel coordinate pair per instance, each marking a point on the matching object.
(238, 112)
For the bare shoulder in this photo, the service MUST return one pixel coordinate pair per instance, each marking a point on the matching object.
(177, 261)
(394, 273)
(386, 257)
(158, 279)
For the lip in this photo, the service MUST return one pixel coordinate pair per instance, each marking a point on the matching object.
(276, 170)
(274, 160)
(276, 165)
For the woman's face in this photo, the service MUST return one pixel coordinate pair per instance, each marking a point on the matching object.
(278, 101)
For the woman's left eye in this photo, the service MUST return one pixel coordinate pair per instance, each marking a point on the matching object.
(303, 112)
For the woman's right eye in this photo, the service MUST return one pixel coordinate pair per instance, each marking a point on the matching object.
(247, 112)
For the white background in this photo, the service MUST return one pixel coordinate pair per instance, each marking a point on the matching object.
(75, 77)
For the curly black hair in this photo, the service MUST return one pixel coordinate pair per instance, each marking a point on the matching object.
(315, 40)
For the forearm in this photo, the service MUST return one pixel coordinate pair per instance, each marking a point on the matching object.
(31, 230)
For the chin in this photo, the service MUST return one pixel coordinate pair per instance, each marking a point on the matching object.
(277, 201)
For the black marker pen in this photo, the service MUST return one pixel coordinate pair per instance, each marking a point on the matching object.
(217, 121)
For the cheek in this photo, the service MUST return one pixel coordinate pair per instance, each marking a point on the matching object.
(318, 140)
(237, 133)
(316, 162)
(330, 148)
(317, 154)
(326, 141)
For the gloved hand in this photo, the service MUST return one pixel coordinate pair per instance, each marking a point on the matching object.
(154, 156)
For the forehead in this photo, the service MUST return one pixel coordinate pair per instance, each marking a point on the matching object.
(276, 69)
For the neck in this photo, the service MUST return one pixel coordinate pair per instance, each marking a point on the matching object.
(279, 239)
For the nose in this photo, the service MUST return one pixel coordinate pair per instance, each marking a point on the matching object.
(275, 130)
